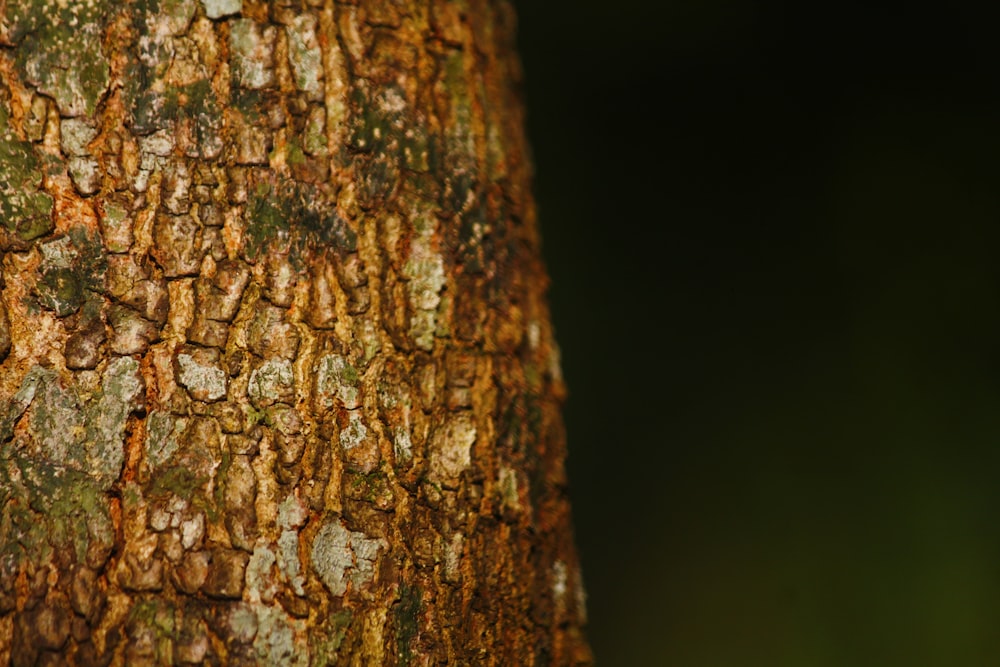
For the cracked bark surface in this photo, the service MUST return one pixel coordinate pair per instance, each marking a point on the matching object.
(278, 380)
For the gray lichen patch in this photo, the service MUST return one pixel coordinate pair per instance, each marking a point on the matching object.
(217, 9)
(337, 381)
(58, 253)
(56, 420)
(88, 437)
(203, 381)
(272, 382)
(288, 560)
(162, 431)
(304, 54)
(158, 144)
(426, 273)
(451, 449)
(278, 638)
(341, 557)
(121, 390)
(354, 433)
(260, 584)
(292, 513)
(74, 136)
(252, 48)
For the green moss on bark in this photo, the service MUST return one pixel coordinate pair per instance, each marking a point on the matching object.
(24, 209)
(60, 50)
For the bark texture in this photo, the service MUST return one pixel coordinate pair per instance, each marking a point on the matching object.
(278, 382)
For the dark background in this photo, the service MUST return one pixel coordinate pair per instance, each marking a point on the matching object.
(773, 235)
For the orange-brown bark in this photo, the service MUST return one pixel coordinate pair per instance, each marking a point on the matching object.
(279, 384)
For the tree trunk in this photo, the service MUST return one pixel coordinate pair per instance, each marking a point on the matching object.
(278, 381)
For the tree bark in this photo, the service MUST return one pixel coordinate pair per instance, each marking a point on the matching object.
(278, 380)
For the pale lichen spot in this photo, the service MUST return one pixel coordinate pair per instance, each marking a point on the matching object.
(555, 362)
(304, 54)
(392, 102)
(75, 134)
(336, 380)
(261, 586)
(173, 19)
(205, 383)
(508, 485)
(453, 557)
(534, 334)
(242, 623)
(252, 53)
(192, 530)
(277, 634)
(354, 433)
(162, 430)
(159, 144)
(217, 9)
(279, 638)
(88, 437)
(292, 513)
(272, 382)
(86, 174)
(451, 448)
(402, 444)
(341, 557)
(121, 390)
(56, 419)
(560, 580)
(425, 270)
(288, 560)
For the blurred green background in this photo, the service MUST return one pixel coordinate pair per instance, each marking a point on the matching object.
(773, 235)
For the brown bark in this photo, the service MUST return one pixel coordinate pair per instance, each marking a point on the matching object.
(278, 382)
